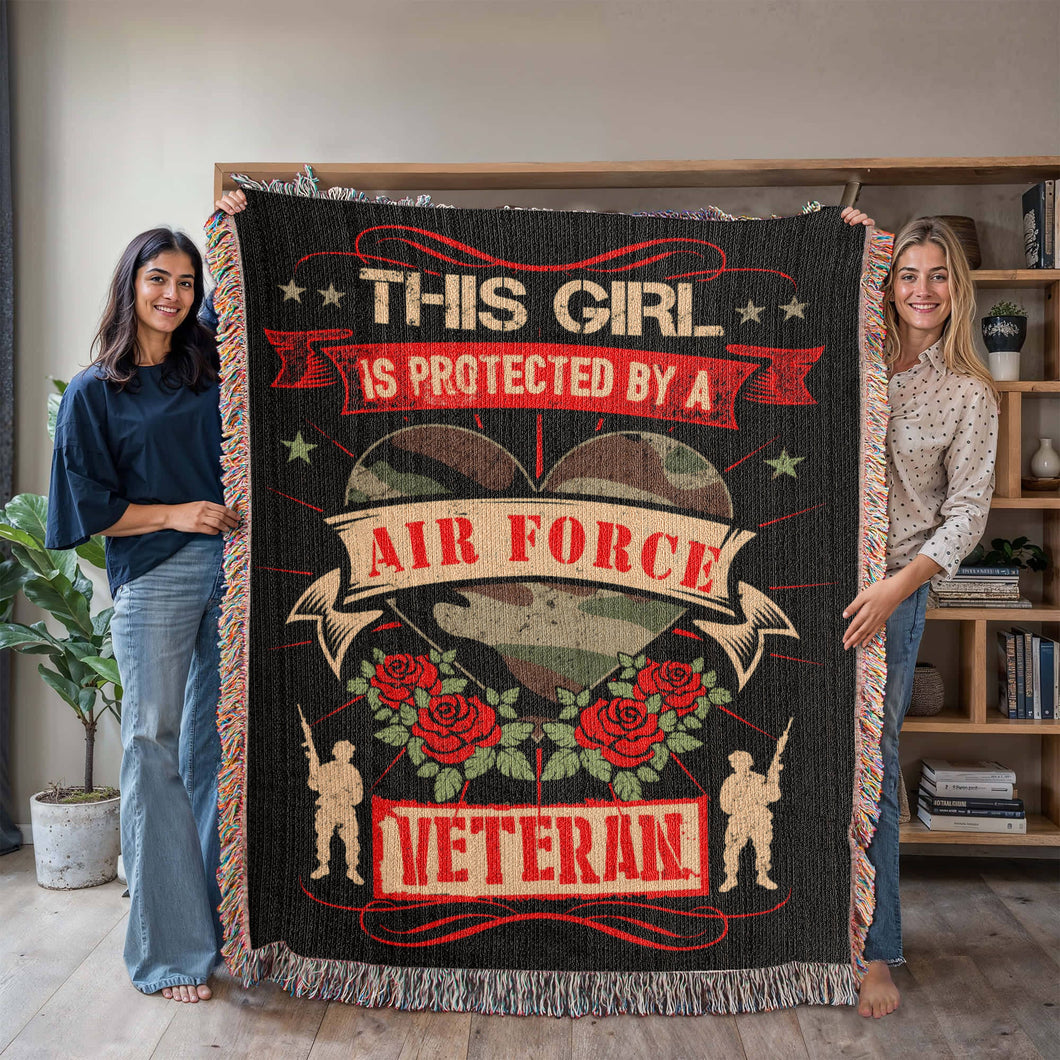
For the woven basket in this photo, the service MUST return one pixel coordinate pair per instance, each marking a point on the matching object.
(964, 230)
(904, 814)
(928, 691)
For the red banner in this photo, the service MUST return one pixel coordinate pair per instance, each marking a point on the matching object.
(403, 376)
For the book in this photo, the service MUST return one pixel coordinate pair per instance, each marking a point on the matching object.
(1015, 825)
(981, 602)
(977, 770)
(969, 789)
(1028, 672)
(1036, 679)
(1049, 678)
(979, 811)
(1006, 661)
(943, 802)
(1021, 699)
(987, 572)
(1034, 214)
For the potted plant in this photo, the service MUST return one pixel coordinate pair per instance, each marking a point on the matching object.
(1018, 552)
(75, 829)
(1004, 332)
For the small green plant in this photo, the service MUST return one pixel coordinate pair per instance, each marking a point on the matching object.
(1004, 308)
(1016, 553)
(79, 663)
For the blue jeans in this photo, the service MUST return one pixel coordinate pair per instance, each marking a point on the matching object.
(166, 644)
(905, 627)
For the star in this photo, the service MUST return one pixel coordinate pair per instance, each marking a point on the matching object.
(291, 292)
(784, 464)
(299, 448)
(793, 309)
(750, 312)
(331, 296)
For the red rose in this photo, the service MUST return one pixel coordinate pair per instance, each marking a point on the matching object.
(623, 729)
(397, 677)
(453, 726)
(678, 684)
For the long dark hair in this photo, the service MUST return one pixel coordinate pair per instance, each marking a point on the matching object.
(192, 358)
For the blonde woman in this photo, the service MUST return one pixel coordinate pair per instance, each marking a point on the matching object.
(941, 442)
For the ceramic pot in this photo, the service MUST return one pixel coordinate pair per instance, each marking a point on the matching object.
(1046, 462)
(1004, 333)
(76, 844)
(1004, 365)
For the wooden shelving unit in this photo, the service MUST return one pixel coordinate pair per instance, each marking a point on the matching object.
(975, 626)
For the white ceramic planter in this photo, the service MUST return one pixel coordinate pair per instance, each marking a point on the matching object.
(75, 845)
(1005, 365)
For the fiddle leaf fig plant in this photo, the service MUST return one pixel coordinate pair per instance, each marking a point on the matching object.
(78, 662)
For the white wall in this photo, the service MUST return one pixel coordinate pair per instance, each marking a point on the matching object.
(121, 110)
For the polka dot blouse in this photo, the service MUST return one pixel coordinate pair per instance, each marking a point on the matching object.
(941, 443)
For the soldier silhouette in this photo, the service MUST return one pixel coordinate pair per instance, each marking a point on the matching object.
(746, 797)
(339, 791)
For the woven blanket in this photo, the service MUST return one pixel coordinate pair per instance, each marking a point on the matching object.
(533, 692)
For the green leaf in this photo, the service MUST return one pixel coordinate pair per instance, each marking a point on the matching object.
(367, 669)
(492, 697)
(596, 765)
(668, 721)
(620, 688)
(560, 734)
(561, 764)
(628, 674)
(59, 598)
(515, 732)
(510, 695)
(569, 712)
(447, 784)
(720, 695)
(28, 512)
(435, 656)
(647, 774)
(409, 715)
(395, 735)
(626, 786)
(681, 741)
(661, 757)
(414, 749)
(446, 668)
(564, 696)
(378, 656)
(13, 635)
(428, 769)
(582, 698)
(653, 704)
(710, 679)
(101, 622)
(507, 712)
(450, 686)
(640, 661)
(480, 762)
(53, 413)
(624, 659)
(357, 685)
(449, 656)
(697, 665)
(692, 722)
(422, 698)
(105, 668)
(384, 714)
(93, 552)
(513, 763)
(63, 685)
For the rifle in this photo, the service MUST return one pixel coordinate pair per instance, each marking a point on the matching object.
(310, 750)
(776, 765)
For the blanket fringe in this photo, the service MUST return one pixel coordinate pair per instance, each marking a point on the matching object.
(872, 671)
(547, 993)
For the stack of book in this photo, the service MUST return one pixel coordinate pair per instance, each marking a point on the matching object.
(969, 797)
(1028, 675)
(1041, 225)
(980, 587)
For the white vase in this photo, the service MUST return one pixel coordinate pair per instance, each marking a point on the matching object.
(1046, 462)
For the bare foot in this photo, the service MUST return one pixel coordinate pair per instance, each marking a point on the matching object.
(190, 994)
(877, 996)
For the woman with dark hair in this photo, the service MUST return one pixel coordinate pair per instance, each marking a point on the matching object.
(137, 459)
(941, 442)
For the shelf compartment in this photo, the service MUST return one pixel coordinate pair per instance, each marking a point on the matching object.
(1047, 387)
(1029, 501)
(957, 723)
(1041, 832)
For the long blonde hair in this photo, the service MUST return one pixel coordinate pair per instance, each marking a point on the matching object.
(958, 349)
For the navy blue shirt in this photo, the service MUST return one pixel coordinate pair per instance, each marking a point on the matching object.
(152, 445)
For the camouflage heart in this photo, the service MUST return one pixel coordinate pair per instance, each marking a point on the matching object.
(548, 634)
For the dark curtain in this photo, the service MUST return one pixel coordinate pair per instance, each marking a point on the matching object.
(10, 837)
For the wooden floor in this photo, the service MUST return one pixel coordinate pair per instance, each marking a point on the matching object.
(982, 939)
